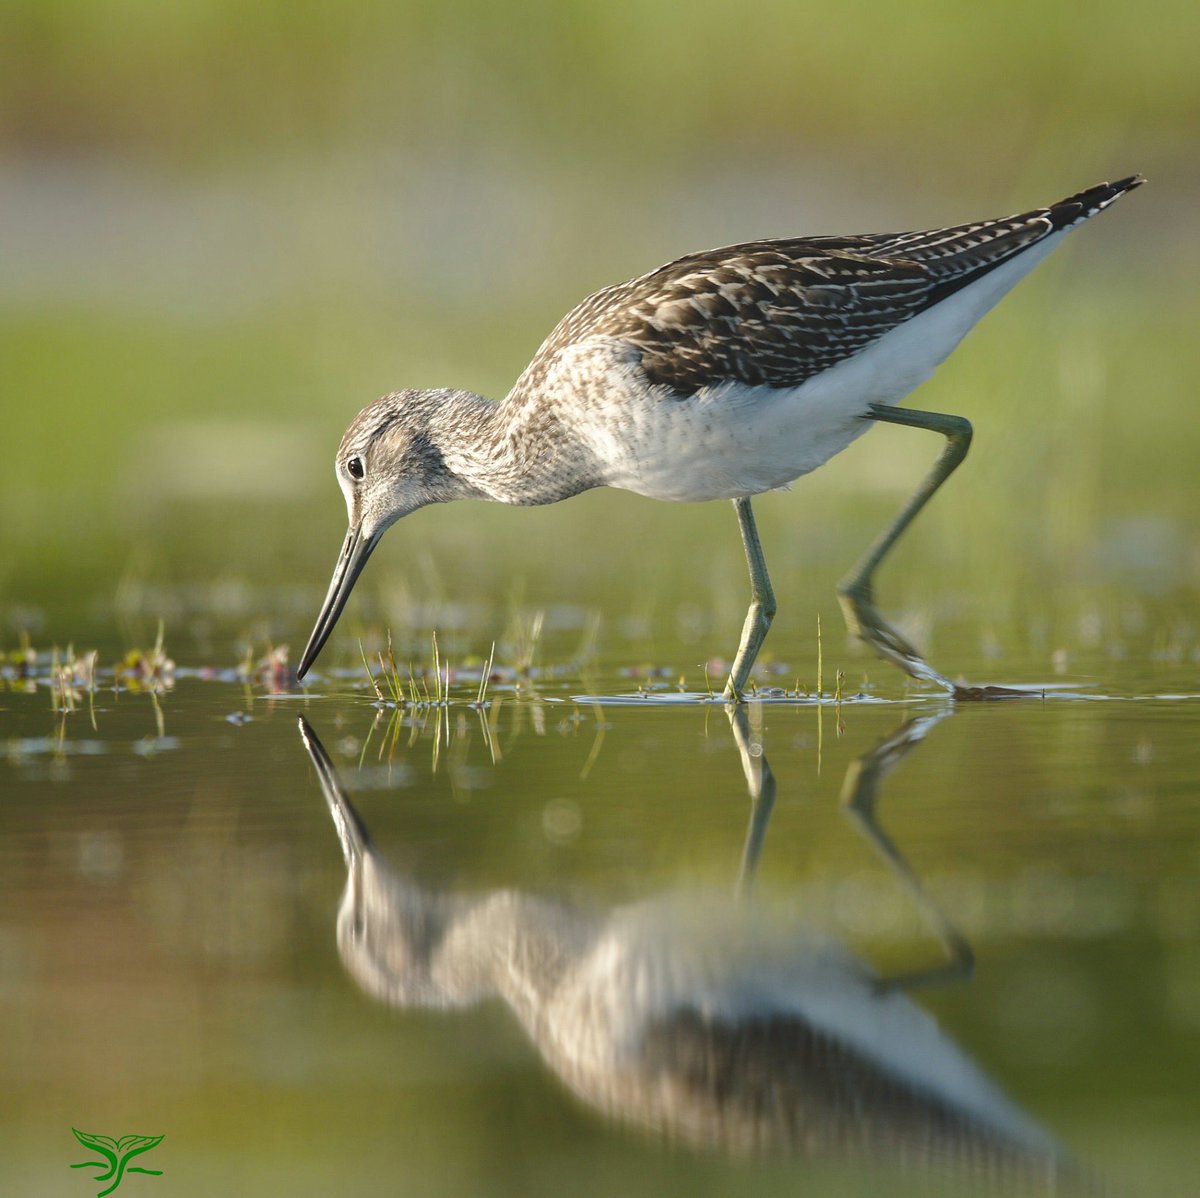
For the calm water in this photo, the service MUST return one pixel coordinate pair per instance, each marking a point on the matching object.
(561, 944)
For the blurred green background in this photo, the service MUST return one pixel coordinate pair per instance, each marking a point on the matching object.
(226, 227)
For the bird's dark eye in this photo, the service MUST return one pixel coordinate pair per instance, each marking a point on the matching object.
(355, 467)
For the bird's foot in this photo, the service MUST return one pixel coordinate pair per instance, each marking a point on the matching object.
(866, 622)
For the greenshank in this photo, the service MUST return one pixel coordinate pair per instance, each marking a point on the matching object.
(721, 375)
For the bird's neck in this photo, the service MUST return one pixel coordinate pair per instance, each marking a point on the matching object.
(516, 451)
(428, 948)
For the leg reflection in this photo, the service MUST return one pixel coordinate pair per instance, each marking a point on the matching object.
(760, 782)
(859, 796)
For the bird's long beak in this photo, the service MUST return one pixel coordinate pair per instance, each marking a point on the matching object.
(355, 550)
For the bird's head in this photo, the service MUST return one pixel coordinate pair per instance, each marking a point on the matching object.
(388, 465)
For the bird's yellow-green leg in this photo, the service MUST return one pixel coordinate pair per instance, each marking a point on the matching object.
(762, 603)
(855, 591)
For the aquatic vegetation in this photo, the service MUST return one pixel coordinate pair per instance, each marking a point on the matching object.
(423, 687)
(150, 670)
(19, 664)
(367, 670)
(71, 677)
(485, 678)
(820, 659)
(272, 671)
(522, 639)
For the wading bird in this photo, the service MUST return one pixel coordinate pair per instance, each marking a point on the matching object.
(718, 376)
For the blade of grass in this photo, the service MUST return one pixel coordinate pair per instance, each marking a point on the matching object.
(370, 677)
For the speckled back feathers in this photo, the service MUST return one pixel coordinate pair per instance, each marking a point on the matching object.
(778, 312)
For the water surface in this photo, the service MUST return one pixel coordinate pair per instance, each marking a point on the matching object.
(579, 943)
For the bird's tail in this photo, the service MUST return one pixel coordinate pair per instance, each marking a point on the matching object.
(1087, 203)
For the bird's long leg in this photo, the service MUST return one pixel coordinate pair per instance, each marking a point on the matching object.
(762, 603)
(855, 590)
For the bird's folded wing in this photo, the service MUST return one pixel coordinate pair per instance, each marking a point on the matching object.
(761, 314)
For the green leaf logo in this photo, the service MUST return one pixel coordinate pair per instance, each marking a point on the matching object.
(117, 1154)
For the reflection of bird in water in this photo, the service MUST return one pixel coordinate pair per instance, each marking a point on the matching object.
(721, 375)
(709, 1021)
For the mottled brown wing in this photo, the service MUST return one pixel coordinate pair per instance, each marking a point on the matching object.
(779, 312)
(764, 313)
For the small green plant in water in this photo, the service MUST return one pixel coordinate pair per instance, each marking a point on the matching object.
(440, 697)
(21, 662)
(142, 670)
(485, 678)
(367, 670)
(820, 660)
(70, 677)
(523, 636)
(388, 671)
(415, 691)
(391, 673)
